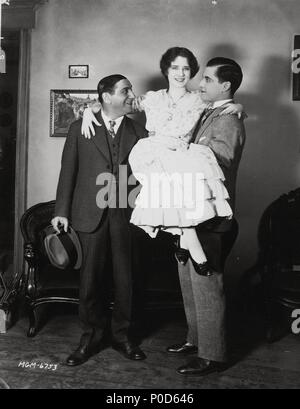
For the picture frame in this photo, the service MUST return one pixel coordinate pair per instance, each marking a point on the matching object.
(78, 71)
(66, 106)
(296, 69)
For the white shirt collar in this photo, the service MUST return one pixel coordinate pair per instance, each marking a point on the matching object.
(106, 120)
(218, 104)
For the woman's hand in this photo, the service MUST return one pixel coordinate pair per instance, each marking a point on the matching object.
(87, 127)
(137, 104)
(236, 109)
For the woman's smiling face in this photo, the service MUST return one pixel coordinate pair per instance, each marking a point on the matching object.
(179, 72)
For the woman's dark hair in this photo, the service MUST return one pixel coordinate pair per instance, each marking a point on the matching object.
(107, 84)
(227, 70)
(169, 56)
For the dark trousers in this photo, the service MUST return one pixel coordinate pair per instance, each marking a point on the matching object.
(112, 239)
(204, 297)
(217, 244)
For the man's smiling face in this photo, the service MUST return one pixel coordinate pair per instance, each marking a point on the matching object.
(122, 97)
(211, 89)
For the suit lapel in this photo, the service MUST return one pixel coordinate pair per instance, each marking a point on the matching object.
(207, 123)
(128, 139)
(100, 138)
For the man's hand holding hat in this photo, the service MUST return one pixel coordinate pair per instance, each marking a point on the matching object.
(58, 222)
(62, 245)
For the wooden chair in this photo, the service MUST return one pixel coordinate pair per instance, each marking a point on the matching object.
(44, 284)
(280, 262)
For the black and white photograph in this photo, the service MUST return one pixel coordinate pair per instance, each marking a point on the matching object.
(149, 214)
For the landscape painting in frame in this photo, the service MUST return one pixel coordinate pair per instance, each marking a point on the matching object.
(66, 106)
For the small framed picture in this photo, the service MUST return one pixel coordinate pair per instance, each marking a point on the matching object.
(66, 106)
(78, 71)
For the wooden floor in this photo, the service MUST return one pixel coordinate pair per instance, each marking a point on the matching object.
(257, 364)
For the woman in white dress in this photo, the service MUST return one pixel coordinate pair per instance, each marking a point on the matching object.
(181, 182)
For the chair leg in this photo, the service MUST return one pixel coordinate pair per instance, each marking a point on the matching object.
(277, 325)
(33, 322)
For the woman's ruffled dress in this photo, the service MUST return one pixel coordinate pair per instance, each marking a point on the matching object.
(181, 182)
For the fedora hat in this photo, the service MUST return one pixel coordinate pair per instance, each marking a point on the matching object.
(63, 249)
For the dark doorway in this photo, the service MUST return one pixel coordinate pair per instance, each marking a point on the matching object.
(8, 131)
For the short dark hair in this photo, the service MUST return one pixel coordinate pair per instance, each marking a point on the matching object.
(107, 84)
(227, 70)
(169, 56)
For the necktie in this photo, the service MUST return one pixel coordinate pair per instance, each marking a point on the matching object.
(206, 113)
(111, 129)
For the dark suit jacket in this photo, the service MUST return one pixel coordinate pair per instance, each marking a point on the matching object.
(225, 135)
(83, 160)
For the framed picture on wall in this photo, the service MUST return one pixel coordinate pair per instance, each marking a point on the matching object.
(296, 68)
(66, 106)
(78, 71)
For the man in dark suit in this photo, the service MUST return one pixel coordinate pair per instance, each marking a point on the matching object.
(93, 183)
(204, 298)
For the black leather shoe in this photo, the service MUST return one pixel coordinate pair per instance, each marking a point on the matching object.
(81, 355)
(181, 255)
(129, 351)
(202, 269)
(201, 367)
(182, 349)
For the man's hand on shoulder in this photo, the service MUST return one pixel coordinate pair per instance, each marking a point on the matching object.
(59, 222)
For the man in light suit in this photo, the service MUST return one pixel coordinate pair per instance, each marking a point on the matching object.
(102, 221)
(204, 298)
